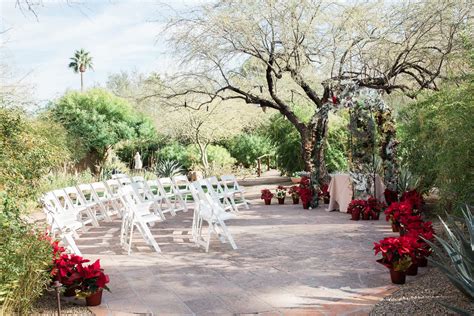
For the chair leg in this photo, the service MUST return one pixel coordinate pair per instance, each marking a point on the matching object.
(67, 238)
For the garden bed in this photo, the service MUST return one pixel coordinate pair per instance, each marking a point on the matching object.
(423, 297)
(46, 305)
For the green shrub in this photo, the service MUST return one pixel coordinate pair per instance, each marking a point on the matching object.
(436, 136)
(175, 152)
(25, 261)
(217, 156)
(337, 144)
(28, 152)
(246, 148)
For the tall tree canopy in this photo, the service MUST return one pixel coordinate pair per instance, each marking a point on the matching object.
(80, 62)
(278, 53)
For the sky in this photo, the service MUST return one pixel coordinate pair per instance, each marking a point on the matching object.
(120, 35)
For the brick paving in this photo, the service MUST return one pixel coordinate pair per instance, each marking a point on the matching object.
(290, 261)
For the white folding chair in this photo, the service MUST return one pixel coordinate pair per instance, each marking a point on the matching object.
(70, 200)
(110, 201)
(227, 198)
(136, 214)
(208, 210)
(181, 184)
(175, 200)
(113, 186)
(145, 194)
(138, 179)
(220, 198)
(62, 225)
(231, 186)
(89, 196)
(160, 196)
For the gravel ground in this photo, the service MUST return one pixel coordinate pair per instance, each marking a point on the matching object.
(422, 297)
(46, 306)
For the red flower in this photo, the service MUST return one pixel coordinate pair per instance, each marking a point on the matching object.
(397, 252)
(396, 210)
(414, 198)
(357, 206)
(266, 194)
(390, 196)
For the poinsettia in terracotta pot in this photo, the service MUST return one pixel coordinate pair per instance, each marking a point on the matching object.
(390, 196)
(280, 194)
(294, 191)
(397, 255)
(375, 207)
(65, 269)
(324, 193)
(394, 211)
(93, 281)
(415, 199)
(267, 196)
(305, 191)
(355, 208)
(422, 232)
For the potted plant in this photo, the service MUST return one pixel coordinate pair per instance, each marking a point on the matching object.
(375, 207)
(355, 208)
(294, 191)
(324, 193)
(66, 271)
(266, 196)
(92, 282)
(280, 194)
(422, 232)
(394, 211)
(397, 254)
(305, 192)
(390, 196)
(414, 198)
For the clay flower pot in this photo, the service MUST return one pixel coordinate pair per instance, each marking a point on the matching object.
(376, 216)
(398, 277)
(365, 216)
(306, 205)
(413, 269)
(355, 216)
(94, 299)
(296, 201)
(422, 262)
(281, 201)
(395, 228)
(268, 201)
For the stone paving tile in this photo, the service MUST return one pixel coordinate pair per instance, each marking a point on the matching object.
(290, 261)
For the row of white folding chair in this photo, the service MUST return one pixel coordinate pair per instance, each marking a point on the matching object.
(207, 209)
(232, 188)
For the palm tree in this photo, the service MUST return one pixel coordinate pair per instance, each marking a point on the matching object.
(80, 63)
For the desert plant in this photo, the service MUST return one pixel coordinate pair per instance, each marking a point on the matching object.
(458, 265)
(168, 168)
(407, 181)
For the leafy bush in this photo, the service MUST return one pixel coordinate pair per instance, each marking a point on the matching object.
(25, 260)
(175, 152)
(337, 144)
(57, 180)
(436, 135)
(246, 148)
(28, 151)
(100, 120)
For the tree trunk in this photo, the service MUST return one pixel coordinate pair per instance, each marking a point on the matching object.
(307, 147)
(82, 82)
(313, 139)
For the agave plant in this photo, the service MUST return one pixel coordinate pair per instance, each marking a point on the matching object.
(459, 245)
(168, 168)
(407, 181)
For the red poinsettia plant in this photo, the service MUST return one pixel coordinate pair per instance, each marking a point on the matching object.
(294, 191)
(266, 194)
(396, 210)
(421, 231)
(390, 196)
(324, 191)
(305, 190)
(92, 279)
(374, 207)
(357, 206)
(414, 198)
(65, 268)
(398, 253)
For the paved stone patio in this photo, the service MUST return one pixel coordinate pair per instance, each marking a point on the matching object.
(289, 261)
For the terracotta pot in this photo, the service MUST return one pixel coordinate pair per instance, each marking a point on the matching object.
(70, 291)
(326, 200)
(365, 216)
(422, 262)
(376, 216)
(306, 205)
(355, 216)
(281, 201)
(296, 201)
(268, 201)
(413, 269)
(94, 299)
(398, 277)
(395, 228)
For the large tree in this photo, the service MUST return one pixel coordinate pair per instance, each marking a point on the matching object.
(276, 54)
